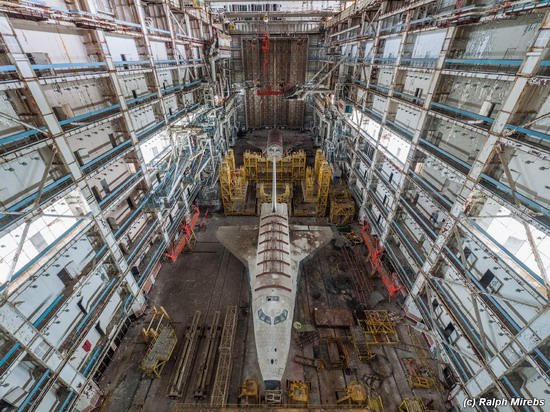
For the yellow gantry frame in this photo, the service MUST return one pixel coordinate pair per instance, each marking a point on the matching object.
(162, 337)
(291, 170)
(342, 206)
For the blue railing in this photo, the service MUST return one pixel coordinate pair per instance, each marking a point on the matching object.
(138, 247)
(68, 65)
(400, 129)
(522, 198)
(130, 218)
(424, 62)
(432, 190)
(456, 311)
(31, 198)
(467, 166)
(529, 132)
(507, 65)
(123, 186)
(127, 144)
(461, 112)
(419, 259)
(8, 68)
(48, 310)
(417, 100)
(33, 391)
(420, 220)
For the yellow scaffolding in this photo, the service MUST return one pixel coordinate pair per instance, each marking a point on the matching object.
(316, 188)
(362, 349)
(414, 404)
(379, 328)
(263, 195)
(257, 170)
(375, 404)
(324, 175)
(417, 378)
(163, 339)
(342, 206)
(298, 392)
(355, 394)
(290, 169)
(233, 187)
(250, 393)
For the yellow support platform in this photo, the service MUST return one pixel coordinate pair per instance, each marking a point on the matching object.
(298, 392)
(257, 172)
(163, 339)
(414, 404)
(234, 187)
(342, 206)
(375, 404)
(290, 169)
(379, 328)
(315, 188)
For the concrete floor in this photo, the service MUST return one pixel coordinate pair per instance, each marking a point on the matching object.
(210, 279)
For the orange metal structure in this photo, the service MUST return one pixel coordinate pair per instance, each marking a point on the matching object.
(187, 231)
(375, 255)
(268, 91)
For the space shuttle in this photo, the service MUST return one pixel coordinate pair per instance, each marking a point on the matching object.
(273, 251)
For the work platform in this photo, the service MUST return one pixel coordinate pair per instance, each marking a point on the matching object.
(159, 352)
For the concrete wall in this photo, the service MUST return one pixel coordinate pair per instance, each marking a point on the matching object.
(500, 39)
(407, 116)
(391, 46)
(120, 45)
(428, 45)
(62, 44)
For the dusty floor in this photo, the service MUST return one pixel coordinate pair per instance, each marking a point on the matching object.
(210, 279)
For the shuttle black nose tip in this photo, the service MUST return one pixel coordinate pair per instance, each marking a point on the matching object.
(272, 385)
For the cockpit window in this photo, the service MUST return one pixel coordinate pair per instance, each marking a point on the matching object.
(263, 317)
(281, 318)
(273, 298)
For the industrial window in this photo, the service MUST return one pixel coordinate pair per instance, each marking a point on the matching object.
(263, 317)
(491, 283)
(391, 177)
(449, 330)
(112, 139)
(281, 318)
(38, 242)
(42, 349)
(99, 329)
(78, 157)
(130, 203)
(64, 276)
(105, 186)
(467, 252)
(95, 192)
(81, 306)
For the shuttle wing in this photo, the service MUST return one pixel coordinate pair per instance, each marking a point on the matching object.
(306, 240)
(242, 241)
